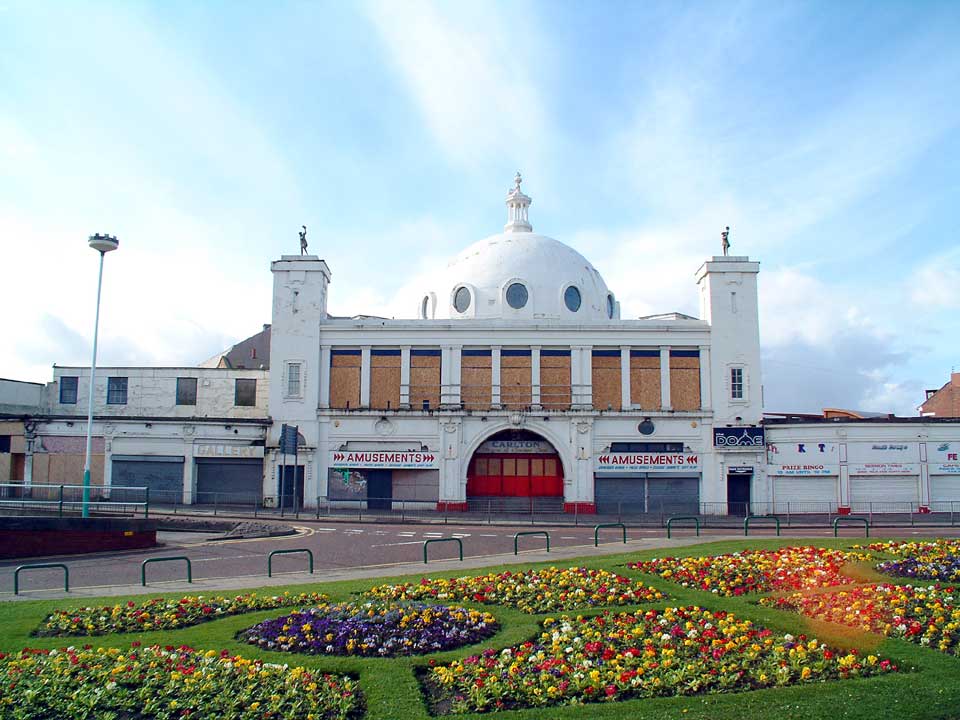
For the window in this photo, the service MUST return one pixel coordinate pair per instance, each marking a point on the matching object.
(517, 295)
(736, 383)
(68, 391)
(245, 392)
(571, 298)
(293, 379)
(611, 306)
(4, 443)
(461, 299)
(424, 307)
(186, 391)
(117, 391)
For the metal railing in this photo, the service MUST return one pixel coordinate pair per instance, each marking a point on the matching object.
(40, 566)
(516, 539)
(295, 551)
(426, 543)
(143, 567)
(67, 500)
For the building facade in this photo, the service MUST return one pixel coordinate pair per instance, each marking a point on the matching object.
(518, 383)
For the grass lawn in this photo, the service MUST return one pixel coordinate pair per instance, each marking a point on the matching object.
(928, 685)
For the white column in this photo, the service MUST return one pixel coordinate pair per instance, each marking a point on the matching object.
(706, 393)
(446, 368)
(495, 376)
(581, 374)
(322, 459)
(405, 377)
(625, 402)
(323, 377)
(188, 471)
(456, 374)
(28, 463)
(535, 376)
(665, 377)
(365, 376)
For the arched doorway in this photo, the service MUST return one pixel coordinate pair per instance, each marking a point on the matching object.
(515, 463)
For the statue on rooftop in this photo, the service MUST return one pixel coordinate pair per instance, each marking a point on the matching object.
(303, 240)
(725, 241)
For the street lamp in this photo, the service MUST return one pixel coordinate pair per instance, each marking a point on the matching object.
(102, 244)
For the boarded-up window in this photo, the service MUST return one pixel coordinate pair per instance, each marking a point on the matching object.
(685, 379)
(384, 378)
(555, 379)
(606, 380)
(344, 378)
(515, 379)
(645, 379)
(425, 378)
(476, 378)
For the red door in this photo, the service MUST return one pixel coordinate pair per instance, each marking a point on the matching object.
(515, 475)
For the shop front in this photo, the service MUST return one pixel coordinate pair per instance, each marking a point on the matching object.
(377, 479)
(665, 483)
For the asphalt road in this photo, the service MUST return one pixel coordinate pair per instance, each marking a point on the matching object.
(339, 546)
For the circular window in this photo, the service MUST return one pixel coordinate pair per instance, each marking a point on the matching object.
(610, 306)
(571, 298)
(517, 295)
(461, 300)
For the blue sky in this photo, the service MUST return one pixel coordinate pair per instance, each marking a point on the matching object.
(827, 135)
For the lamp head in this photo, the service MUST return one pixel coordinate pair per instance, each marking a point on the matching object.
(103, 243)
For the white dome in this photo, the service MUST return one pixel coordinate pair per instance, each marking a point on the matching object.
(545, 268)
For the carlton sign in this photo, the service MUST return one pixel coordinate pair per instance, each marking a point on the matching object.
(647, 462)
(385, 459)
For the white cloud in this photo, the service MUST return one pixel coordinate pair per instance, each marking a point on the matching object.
(471, 72)
(935, 284)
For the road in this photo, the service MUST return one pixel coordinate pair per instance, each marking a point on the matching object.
(339, 546)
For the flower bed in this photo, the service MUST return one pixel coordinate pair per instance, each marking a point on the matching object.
(676, 651)
(925, 615)
(377, 629)
(533, 591)
(924, 560)
(155, 682)
(750, 571)
(163, 613)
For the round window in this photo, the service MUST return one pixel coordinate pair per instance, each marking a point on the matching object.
(610, 306)
(517, 295)
(571, 298)
(461, 300)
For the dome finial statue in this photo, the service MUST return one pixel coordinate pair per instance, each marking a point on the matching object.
(517, 204)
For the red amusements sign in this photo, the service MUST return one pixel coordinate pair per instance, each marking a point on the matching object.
(647, 462)
(387, 459)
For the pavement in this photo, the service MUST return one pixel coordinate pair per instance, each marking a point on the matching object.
(346, 551)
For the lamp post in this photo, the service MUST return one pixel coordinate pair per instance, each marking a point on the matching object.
(102, 244)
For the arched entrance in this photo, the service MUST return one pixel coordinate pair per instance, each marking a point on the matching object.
(515, 463)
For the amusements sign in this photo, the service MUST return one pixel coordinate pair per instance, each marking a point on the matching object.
(647, 462)
(384, 459)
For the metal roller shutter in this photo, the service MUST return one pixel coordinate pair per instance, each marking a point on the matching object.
(804, 494)
(883, 493)
(229, 480)
(639, 494)
(944, 489)
(162, 474)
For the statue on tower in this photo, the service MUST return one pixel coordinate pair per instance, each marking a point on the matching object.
(725, 241)
(303, 240)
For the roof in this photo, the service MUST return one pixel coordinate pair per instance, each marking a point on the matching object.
(250, 354)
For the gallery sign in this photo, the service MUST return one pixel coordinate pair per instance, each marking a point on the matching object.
(885, 468)
(738, 438)
(801, 470)
(384, 459)
(950, 468)
(647, 462)
(228, 451)
(871, 453)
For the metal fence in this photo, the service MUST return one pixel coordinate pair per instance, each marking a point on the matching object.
(67, 500)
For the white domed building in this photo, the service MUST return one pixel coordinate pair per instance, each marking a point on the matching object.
(519, 385)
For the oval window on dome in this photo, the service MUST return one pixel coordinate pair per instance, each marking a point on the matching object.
(461, 299)
(517, 295)
(610, 306)
(571, 298)
(424, 308)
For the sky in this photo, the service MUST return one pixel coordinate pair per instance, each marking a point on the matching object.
(203, 135)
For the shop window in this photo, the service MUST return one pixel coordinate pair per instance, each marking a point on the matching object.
(68, 390)
(186, 391)
(245, 392)
(117, 391)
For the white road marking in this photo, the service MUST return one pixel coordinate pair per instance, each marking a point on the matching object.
(412, 542)
(326, 529)
(461, 535)
(567, 537)
(406, 534)
(353, 530)
(482, 535)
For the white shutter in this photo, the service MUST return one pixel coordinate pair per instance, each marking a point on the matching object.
(883, 493)
(944, 489)
(804, 494)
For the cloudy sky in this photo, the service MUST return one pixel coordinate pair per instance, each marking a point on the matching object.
(827, 135)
